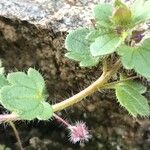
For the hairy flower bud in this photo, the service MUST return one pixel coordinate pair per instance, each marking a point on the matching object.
(79, 132)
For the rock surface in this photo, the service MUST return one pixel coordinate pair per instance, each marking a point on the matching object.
(32, 33)
(61, 15)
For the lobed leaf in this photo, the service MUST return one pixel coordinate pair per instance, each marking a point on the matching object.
(78, 48)
(140, 88)
(134, 84)
(37, 79)
(22, 79)
(31, 114)
(92, 35)
(44, 111)
(136, 58)
(105, 44)
(132, 100)
(47, 112)
(3, 81)
(25, 95)
(140, 9)
(102, 14)
(19, 98)
(2, 70)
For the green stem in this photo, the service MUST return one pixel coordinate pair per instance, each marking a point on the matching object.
(105, 65)
(98, 84)
(112, 84)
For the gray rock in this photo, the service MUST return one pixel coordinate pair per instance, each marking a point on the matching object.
(32, 34)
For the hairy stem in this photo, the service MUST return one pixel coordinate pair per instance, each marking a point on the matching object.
(16, 134)
(89, 90)
(59, 119)
(8, 117)
(105, 65)
(112, 84)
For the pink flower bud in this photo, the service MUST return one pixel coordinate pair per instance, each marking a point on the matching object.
(79, 132)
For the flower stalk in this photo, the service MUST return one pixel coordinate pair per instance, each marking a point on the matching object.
(78, 132)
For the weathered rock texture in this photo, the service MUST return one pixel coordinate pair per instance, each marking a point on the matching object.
(25, 42)
(32, 34)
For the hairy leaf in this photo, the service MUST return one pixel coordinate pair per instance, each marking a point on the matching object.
(31, 114)
(136, 58)
(20, 98)
(105, 44)
(47, 112)
(22, 79)
(137, 86)
(140, 9)
(25, 95)
(134, 84)
(132, 100)
(37, 79)
(78, 48)
(92, 35)
(2, 70)
(3, 81)
(44, 111)
(102, 14)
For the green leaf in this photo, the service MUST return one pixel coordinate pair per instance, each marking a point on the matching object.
(119, 3)
(31, 114)
(37, 79)
(136, 58)
(140, 9)
(92, 35)
(44, 111)
(78, 48)
(105, 44)
(132, 100)
(2, 70)
(3, 81)
(25, 95)
(134, 84)
(3, 147)
(47, 112)
(22, 79)
(20, 98)
(102, 14)
(32, 80)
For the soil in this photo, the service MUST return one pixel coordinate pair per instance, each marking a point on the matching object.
(24, 45)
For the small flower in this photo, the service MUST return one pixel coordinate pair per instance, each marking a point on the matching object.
(137, 36)
(79, 132)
